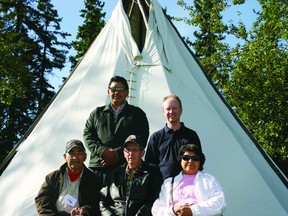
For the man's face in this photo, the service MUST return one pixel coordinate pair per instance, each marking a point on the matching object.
(117, 93)
(75, 159)
(133, 155)
(172, 110)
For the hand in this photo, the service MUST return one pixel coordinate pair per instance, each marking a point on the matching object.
(78, 211)
(184, 210)
(109, 157)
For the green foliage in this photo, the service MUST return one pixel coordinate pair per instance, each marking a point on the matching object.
(30, 49)
(209, 45)
(93, 24)
(11, 67)
(258, 87)
(252, 75)
(48, 57)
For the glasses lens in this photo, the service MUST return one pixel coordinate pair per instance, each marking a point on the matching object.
(76, 154)
(188, 157)
(119, 89)
(195, 158)
(134, 150)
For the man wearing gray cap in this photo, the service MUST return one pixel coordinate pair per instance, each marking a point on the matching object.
(71, 190)
(134, 186)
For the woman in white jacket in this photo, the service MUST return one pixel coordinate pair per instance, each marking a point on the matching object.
(191, 192)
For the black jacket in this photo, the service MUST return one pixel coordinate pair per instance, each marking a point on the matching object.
(102, 131)
(48, 194)
(144, 191)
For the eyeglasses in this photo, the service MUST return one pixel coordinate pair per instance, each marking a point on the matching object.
(134, 150)
(119, 89)
(193, 157)
(76, 154)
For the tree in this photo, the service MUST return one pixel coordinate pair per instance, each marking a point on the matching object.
(93, 24)
(45, 26)
(14, 89)
(252, 76)
(258, 87)
(29, 50)
(209, 45)
(16, 78)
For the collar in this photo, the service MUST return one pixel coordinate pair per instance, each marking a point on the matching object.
(169, 130)
(131, 172)
(74, 176)
(119, 109)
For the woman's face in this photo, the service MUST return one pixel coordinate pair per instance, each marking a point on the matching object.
(190, 163)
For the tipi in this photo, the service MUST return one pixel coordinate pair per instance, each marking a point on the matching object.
(156, 65)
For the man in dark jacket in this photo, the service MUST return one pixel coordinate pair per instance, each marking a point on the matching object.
(71, 190)
(134, 186)
(164, 144)
(108, 126)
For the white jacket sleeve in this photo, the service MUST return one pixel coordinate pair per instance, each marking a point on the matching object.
(210, 196)
(162, 206)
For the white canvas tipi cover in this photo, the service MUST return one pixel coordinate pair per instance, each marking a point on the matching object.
(164, 66)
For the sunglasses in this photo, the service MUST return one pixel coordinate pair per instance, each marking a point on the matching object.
(119, 89)
(188, 157)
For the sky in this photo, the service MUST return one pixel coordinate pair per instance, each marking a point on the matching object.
(69, 11)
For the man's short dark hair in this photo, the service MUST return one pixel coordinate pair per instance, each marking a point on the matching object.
(119, 79)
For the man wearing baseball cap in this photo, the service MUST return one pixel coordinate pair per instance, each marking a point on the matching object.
(133, 187)
(71, 190)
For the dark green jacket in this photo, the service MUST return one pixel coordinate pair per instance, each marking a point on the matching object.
(102, 131)
(48, 194)
(144, 190)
